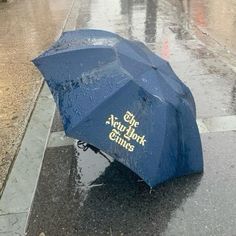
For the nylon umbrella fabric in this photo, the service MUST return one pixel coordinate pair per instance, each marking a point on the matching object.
(120, 97)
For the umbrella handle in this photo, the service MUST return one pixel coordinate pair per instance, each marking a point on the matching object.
(82, 145)
(85, 146)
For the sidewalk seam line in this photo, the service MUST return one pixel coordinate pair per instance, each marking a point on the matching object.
(59, 139)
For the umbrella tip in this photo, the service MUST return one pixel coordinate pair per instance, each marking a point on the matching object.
(35, 61)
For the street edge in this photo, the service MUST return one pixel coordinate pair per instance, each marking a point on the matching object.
(15, 207)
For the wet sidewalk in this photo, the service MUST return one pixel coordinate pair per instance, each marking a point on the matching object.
(81, 193)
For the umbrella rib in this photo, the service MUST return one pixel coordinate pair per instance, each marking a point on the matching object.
(147, 64)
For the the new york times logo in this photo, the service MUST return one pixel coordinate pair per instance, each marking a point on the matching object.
(123, 134)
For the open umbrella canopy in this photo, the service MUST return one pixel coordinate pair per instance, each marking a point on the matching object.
(120, 97)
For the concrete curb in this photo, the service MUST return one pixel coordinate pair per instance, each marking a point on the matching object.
(18, 195)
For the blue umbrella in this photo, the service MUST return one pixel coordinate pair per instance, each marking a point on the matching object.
(121, 98)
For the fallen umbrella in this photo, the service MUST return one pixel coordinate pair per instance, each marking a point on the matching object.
(121, 98)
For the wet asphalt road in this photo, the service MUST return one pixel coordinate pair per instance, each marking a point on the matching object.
(116, 203)
(26, 28)
(80, 193)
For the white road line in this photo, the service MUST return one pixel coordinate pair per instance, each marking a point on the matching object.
(220, 124)
(206, 125)
(201, 126)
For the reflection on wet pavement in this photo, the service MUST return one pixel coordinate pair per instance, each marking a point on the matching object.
(216, 18)
(116, 201)
(26, 28)
(86, 170)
